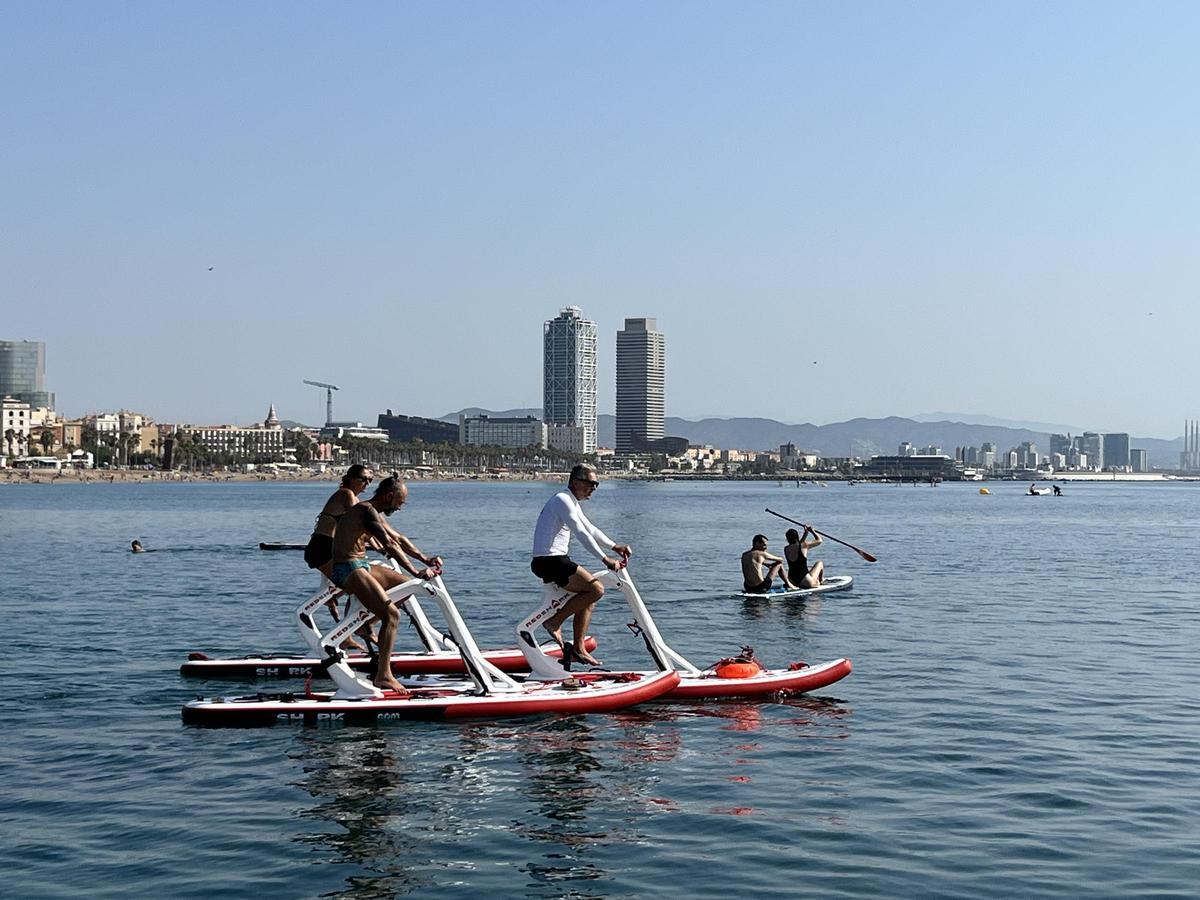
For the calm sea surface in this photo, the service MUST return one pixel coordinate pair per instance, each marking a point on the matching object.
(1023, 719)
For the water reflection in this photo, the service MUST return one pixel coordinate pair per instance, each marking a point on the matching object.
(363, 789)
(795, 610)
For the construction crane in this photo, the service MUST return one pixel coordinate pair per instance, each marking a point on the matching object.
(329, 389)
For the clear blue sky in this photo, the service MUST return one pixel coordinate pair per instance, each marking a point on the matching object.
(833, 210)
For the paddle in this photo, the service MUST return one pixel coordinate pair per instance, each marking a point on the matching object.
(863, 553)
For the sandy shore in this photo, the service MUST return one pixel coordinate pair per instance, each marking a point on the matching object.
(134, 476)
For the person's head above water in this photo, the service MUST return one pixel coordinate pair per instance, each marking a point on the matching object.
(136, 547)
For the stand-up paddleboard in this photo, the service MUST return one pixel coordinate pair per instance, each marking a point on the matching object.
(490, 693)
(737, 677)
(433, 662)
(1038, 492)
(266, 545)
(582, 694)
(833, 583)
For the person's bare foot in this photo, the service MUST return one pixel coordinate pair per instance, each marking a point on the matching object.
(390, 684)
(555, 634)
(584, 657)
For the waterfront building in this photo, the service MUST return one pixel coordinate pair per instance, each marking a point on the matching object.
(1060, 443)
(1138, 461)
(567, 438)
(915, 466)
(23, 372)
(402, 429)
(261, 441)
(336, 431)
(14, 417)
(1116, 451)
(987, 455)
(569, 373)
(905, 449)
(1092, 445)
(525, 431)
(641, 384)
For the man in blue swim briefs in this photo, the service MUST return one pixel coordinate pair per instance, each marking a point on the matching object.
(561, 517)
(353, 574)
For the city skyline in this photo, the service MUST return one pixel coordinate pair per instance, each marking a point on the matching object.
(836, 212)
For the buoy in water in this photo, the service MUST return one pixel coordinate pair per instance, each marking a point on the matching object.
(984, 491)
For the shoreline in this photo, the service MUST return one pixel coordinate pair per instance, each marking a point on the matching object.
(133, 476)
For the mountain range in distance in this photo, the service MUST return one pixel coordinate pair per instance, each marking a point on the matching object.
(858, 437)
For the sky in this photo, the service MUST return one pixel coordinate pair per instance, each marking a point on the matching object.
(832, 210)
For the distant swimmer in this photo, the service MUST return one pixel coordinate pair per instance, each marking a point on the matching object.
(753, 561)
(1057, 491)
(136, 547)
(1033, 488)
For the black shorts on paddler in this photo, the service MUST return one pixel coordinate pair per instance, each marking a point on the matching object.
(554, 569)
(319, 551)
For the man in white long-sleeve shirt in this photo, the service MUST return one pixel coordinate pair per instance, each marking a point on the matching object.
(561, 517)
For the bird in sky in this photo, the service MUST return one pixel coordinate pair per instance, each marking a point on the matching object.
(210, 268)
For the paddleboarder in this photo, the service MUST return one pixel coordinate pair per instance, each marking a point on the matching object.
(800, 573)
(560, 518)
(753, 561)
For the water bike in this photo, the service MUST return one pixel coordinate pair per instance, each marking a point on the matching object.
(739, 676)
(440, 654)
(488, 692)
(833, 583)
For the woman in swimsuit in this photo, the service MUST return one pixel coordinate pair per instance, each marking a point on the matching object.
(319, 552)
(796, 554)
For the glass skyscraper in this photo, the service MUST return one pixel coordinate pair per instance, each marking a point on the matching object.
(641, 384)
(23, 372)
(569, 373)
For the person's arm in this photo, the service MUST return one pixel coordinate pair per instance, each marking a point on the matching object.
(815, 542)
(377, 528)
(412, 549)
(592, 537)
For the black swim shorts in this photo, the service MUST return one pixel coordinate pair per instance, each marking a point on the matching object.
(319, 551)
(556, 569)
(763, 587)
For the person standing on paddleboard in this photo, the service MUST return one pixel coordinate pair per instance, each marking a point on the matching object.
(753, 560)
(560, 518)
(351, 572)
(796, 554)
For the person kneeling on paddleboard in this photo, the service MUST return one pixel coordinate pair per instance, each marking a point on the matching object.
(753, 560)
(354, 575)
(560, 518)
(796, 554)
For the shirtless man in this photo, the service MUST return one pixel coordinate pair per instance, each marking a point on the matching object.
(753, 560)
(561, 517)
(353, 574)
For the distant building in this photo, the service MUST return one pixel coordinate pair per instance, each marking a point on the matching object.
(567, 438)
(335, 431)
(23, 373)
(641, 384)
(402, 429)
(477, 431)
(1116, 451)
(569, 373)
(1138, 460)
(14, 435)
(910, 466)
(1092, 446)
(1060, 443)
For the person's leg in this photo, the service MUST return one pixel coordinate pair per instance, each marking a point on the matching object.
(817, 573)
(586, 592)
(375, 599)
(776, 570)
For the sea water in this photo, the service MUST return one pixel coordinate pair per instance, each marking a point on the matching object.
(1023, 719)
